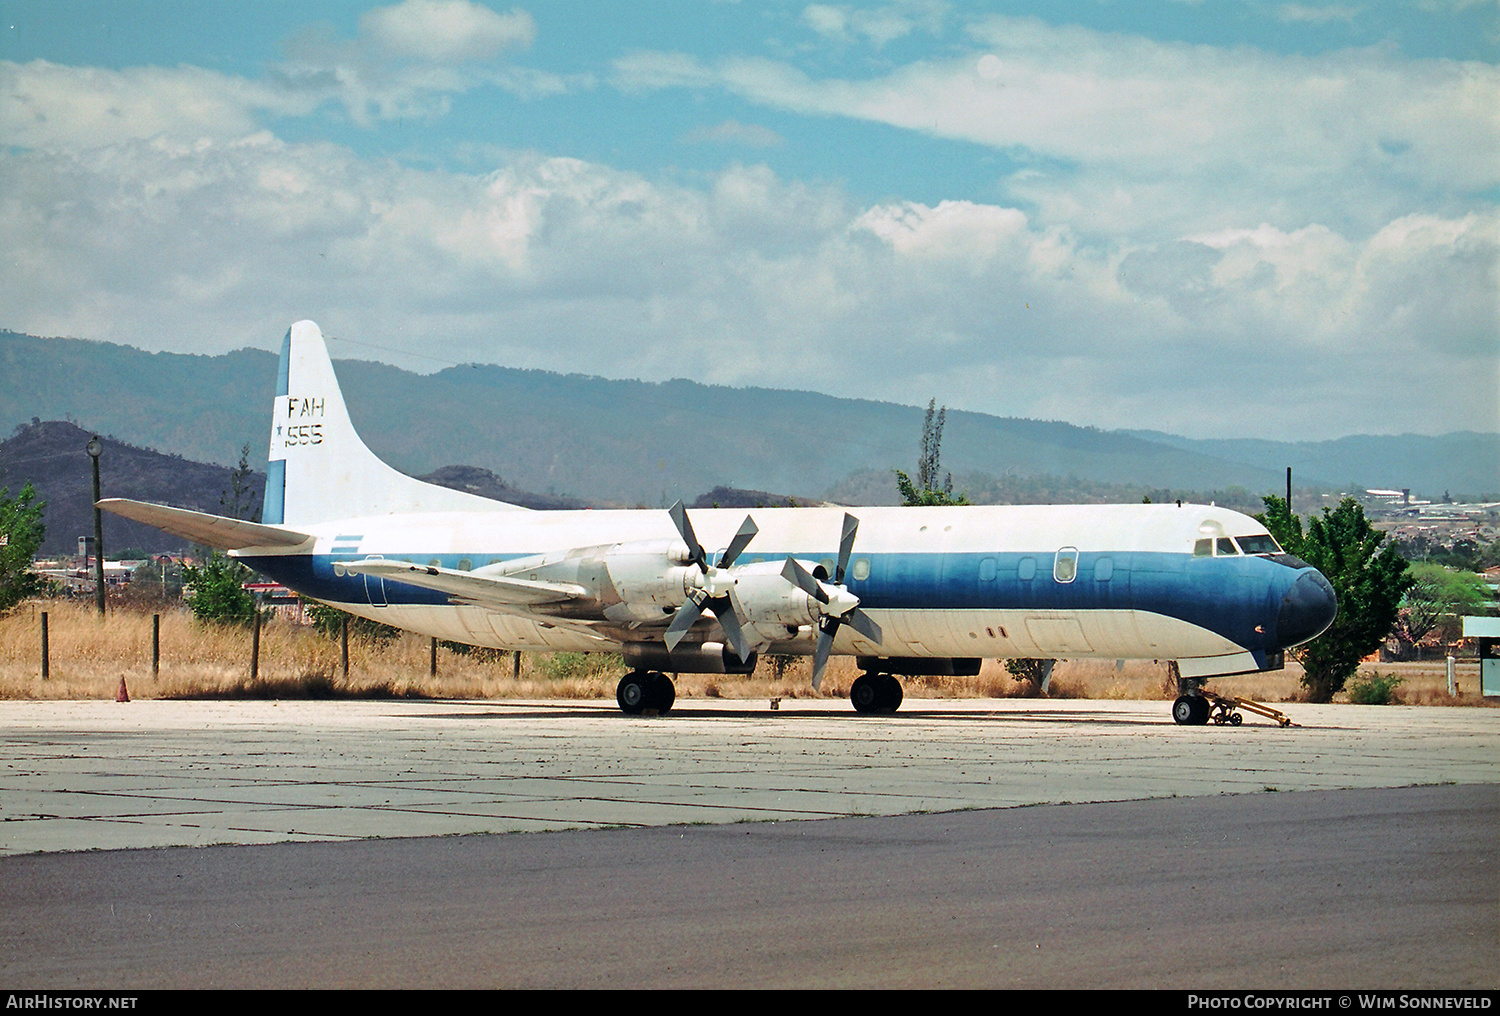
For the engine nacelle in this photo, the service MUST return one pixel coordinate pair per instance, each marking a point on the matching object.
(650, 576)
(769, 599)
(695, 658)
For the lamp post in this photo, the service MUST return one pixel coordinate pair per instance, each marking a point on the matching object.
(94, 448)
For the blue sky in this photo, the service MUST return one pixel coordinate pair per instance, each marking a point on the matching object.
(1219, 219)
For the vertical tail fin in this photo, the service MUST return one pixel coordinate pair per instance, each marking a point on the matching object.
(320, 470)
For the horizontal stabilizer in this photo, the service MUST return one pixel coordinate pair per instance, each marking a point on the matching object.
(201, 527)
(498, 591)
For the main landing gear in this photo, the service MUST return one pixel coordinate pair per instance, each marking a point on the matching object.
(875, 693)
(641, 690)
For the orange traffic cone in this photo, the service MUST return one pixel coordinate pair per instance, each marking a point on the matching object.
(122, 695)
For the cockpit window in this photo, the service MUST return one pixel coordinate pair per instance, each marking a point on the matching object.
(1203, 548)
(1258, 544)
(1226, 547)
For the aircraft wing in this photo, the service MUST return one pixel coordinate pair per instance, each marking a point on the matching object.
(213, 530)
(498, 592)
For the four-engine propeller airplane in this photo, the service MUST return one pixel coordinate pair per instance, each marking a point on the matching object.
(905, 590)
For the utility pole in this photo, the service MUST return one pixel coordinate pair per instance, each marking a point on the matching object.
(94, 448)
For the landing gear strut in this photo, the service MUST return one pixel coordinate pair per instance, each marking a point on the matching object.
(641, 690)
(875, 693)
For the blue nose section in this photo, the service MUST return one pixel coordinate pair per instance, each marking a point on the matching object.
(1307, 609)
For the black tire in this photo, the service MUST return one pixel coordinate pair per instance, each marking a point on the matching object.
(633, 693)
(1201, 708)
(865, 693)
(663, 694)
(1182, 710)
(890, 693)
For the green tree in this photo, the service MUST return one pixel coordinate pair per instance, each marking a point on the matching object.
(219, 594)
(21, 533)
(1370, 581)
(239, 501)
(925, 491)
(218, 585)
(1438, 597)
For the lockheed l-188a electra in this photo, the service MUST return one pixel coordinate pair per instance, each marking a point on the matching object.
(907, 591)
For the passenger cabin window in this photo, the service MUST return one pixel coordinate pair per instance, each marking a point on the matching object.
(986, 569)
(1026, 571)
(1065, 569)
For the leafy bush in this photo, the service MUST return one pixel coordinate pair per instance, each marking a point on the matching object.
(218, 592)
(1373, 690)
(578, 666)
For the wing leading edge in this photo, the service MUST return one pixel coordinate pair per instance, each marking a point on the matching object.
(212, 530)
(496, 591)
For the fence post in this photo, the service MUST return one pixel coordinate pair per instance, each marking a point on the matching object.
(255, 645)
(432, 669)
(344, 644)
(155, 644)
(46, 663)
(516, 673)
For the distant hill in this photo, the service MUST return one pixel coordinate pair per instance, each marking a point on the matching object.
(641, 443)
(52, 456)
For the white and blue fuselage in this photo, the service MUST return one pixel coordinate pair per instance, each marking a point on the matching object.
(1198, 585)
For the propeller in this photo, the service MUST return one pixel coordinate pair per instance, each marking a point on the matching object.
(716, 592)
(839, 605)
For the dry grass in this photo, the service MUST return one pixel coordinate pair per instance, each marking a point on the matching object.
(89, 656)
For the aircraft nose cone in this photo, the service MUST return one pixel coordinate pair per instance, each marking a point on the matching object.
(1307, 609)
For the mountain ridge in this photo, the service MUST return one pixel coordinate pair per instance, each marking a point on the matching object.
(648, 443)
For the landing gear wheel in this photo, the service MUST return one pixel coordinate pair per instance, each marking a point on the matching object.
(890, 697)
(640, 690)
(1182, 710)
(634, 692)
(875, 693)
(1201, 708)
(663, 693)
(1190, 710)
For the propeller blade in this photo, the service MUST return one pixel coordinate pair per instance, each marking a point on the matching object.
(685, 529)
(800, 577)
(747, 532)
(846, 547)
(826, 632)
(724, 611)
(864, 624)
(687, 616)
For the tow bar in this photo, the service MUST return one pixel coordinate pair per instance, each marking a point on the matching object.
(1225, 709)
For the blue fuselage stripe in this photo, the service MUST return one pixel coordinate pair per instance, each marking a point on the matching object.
(1235, 597)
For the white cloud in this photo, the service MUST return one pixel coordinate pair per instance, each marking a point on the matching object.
(1179, 136)
(446, 31)
(877, 25)
(1201, 280)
